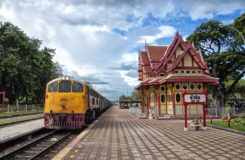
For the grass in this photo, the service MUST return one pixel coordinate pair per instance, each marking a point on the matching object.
(9, 114)
(236, 124)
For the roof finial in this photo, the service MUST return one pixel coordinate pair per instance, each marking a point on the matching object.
(177, 33)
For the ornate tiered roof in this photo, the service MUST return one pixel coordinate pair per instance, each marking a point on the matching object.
(158, 63)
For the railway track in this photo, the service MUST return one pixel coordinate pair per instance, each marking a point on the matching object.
(44, 144)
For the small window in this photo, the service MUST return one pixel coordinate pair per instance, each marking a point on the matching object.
(192, 86)
(188, 72)
(199, 72)
(162, 98)
(177, 86)
(53, 87)
(184, 86)
(199, 86)
(77, 87)
(93, 101)
(177, 98)
(182, 71)
(194, 72)
(161, 74)
(65, 86)
(162, 88)
(176, 72)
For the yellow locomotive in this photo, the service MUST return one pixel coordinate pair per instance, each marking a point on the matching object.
(70, 103)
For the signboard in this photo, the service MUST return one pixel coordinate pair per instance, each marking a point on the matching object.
(194, 98)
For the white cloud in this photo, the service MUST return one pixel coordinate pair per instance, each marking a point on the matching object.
(7, 13)
(130, 57)
(207, 9)
(162, 32)
(83, 32)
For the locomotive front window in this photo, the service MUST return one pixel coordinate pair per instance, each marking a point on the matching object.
(53, 87)
(77, 87)
(65, 86)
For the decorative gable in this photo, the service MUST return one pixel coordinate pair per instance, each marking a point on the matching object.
(188, 61)
(179, 63)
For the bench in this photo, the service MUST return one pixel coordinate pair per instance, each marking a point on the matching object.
(196, 124)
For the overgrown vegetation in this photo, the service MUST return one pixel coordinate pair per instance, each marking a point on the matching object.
(25, 65)
(236, 124)
(223, 48)
(135, 96)
(10, 114)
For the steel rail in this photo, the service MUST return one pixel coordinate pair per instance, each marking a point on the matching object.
(26, 146)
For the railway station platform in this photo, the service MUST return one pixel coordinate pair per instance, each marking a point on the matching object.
(117, 134)
(16, 130)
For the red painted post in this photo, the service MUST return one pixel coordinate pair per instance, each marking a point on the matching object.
(148, 104)
(159, 104)
(204, 116)
(142, 104)
(185, 111)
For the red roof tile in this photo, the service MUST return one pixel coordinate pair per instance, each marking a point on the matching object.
(144, 58)
(155, 53)
(190, 78)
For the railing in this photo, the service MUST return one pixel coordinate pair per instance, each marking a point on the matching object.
(135, 110)
(21, 108)
(218, 111)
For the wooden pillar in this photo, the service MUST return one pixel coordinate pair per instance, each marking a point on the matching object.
(159, 104)
(173, 98)
(204, 116)
(158, 97)
(147, 94)
(185, 112)
(142, 103)
(147, 104)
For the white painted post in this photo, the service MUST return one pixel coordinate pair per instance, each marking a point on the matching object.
(26, 107)
(150, 114)
(216, 112)
(17, 105)
(8, 108)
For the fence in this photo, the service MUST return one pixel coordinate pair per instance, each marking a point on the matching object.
(21, 108)
(217, 112)
(221, 111)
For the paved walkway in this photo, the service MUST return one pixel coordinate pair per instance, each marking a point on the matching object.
(19, 129)
(119, 135)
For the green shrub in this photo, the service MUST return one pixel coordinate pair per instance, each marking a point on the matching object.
(5, 100)
(228, 109)
(237, 120)
(224, 117)
(242, 123)
(243, 116)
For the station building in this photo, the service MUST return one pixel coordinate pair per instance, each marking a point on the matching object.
(165, 72)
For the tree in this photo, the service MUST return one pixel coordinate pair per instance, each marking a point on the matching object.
(123, 97)
(223, 49)
(135, 96)
(25, 68)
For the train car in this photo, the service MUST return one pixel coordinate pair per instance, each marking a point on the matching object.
(70, 103)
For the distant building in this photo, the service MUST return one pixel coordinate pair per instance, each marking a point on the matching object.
(165, 72)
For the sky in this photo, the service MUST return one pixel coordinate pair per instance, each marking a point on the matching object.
(98, 40)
